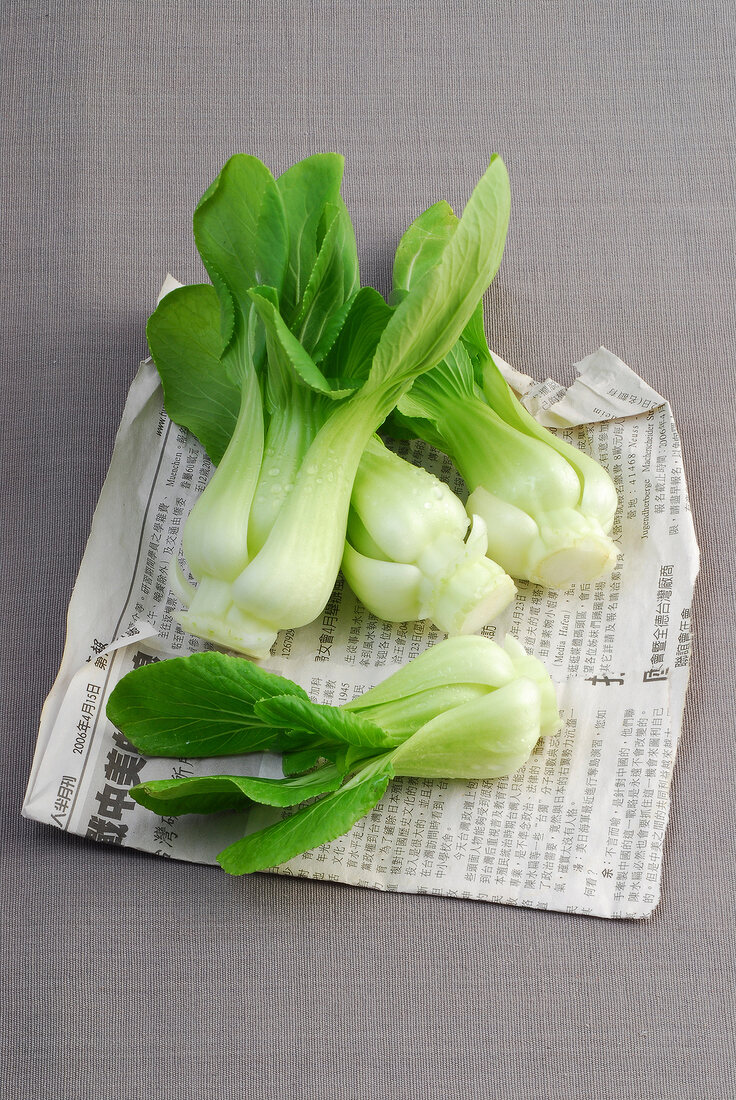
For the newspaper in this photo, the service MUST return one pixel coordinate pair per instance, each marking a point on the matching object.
(580, 828)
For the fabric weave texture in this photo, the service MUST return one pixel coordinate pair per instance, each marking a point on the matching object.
(138, 978)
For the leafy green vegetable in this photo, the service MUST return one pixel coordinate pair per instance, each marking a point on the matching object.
(186, 344)
(316, 365)
(408, 553)
(242, 235)
(465, 708)
(309, 827)
(484, 738)
(421, 246)
(440, 302)
(322, 250)
(215, 793)
(548, 508)
(202, 705)
(447, 675)
(301, 760)
(325, 725)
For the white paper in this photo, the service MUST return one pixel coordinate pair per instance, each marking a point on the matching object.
(580, 828)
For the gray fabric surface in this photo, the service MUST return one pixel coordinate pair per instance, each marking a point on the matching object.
(131, 977)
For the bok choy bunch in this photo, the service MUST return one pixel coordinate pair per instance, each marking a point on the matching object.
(411, 551)
(548, 507)
(284, 370)
(465, 708)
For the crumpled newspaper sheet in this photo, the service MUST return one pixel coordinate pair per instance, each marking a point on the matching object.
(580, 828)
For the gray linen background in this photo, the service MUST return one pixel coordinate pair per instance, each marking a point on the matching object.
(130, 977)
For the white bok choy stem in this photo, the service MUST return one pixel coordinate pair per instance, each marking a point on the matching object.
(453, 672)
(409, 553)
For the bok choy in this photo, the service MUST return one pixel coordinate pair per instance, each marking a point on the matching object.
(411, 551)
(548, 507)
(465, 708)
(285, 369)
